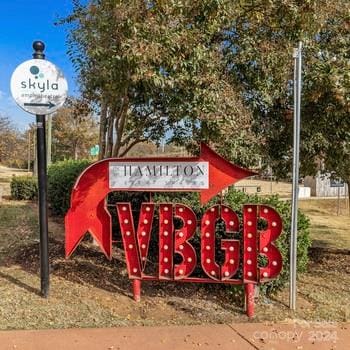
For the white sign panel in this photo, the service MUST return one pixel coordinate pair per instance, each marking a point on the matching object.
(39, 87)
(159, 175)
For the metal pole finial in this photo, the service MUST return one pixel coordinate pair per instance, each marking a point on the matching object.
(39, 48)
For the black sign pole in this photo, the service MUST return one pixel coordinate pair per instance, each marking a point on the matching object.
(39, 48)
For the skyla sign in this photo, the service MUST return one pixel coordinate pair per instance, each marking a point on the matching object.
(39, 87)
(177, 224)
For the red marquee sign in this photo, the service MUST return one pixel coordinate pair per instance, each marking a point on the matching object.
(208, 174)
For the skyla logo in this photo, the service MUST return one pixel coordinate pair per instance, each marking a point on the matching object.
(38, 85)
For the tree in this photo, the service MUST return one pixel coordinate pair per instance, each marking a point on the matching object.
(75, 131)
(214, 70)
(152, 68)
(327, 98)
(13, 144)
(6, 132)
(258, 50)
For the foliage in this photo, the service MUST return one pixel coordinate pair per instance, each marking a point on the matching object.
(216, 71)
(155, 67)
(235, 200)
(74, 131)
(61, 178)
(24, 187)
(13, 144)
(259, 50)
(326, 98)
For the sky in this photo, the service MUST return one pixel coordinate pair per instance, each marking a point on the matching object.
(21, 23)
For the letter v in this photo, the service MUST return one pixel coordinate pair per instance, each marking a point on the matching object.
(136, 248)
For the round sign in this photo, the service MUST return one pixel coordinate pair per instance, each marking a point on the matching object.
(39, 87)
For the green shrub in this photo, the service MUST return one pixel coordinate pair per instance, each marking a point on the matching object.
(236, 199)
(61, 179)
(24, 187)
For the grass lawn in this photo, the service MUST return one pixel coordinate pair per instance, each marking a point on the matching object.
(87, 290)
(328, 230)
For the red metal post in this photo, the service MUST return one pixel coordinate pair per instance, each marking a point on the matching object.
(136, 284)
(249, 299)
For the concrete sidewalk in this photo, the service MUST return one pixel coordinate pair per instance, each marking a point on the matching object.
(297, 335)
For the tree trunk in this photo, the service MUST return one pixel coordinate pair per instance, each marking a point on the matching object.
(110, 123)
(75, 150)
(102, 135)
(119, 127)
(348, 183)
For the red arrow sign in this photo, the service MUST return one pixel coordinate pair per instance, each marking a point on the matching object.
(222, 173)
(207, 174)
